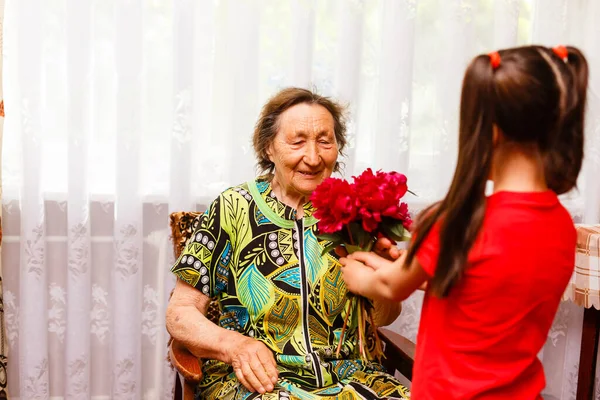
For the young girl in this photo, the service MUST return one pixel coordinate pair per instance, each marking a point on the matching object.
(495, 267)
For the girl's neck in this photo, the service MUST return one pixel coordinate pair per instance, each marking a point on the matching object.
(516, 168)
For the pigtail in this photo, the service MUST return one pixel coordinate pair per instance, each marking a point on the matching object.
(463, 208)
(564, 157)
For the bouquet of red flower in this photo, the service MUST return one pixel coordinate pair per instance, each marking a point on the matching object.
(354, 215)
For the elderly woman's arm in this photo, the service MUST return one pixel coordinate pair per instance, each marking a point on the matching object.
(252, 361)
(386, 312)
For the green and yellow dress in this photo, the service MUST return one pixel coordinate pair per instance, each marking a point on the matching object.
(266, 269)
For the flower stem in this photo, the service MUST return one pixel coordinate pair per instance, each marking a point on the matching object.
(350, 234)
(348, 309)
(361, 330)
(378, 348)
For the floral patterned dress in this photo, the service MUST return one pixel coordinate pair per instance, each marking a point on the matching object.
(266, 269)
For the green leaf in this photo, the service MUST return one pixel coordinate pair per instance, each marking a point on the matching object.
(360, 237)
(331, 246)
(393, 230)
(332, 237)
(351, 248)
(411, 192)
(397, 229)
(370, 245)
(407, 235)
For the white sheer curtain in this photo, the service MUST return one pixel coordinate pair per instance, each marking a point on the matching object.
(120, 111)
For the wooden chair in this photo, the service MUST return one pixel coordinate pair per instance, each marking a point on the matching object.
(399, 351)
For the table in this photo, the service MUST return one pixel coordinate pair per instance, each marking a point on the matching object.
(584, 290)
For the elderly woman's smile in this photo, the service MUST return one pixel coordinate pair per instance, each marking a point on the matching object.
(304, 152)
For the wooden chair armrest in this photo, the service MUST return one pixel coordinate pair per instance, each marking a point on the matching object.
(399, 352)
(185, 363)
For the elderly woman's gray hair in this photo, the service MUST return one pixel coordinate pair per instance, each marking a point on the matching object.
(267, 125)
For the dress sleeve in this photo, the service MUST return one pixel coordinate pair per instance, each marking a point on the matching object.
(204, 262)
(429, 251)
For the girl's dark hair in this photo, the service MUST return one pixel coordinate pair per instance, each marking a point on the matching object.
(267, 125)
(535, 98)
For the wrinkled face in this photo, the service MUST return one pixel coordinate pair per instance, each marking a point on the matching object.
(304, 150)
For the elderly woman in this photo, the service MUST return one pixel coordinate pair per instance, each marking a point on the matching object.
(283, 303)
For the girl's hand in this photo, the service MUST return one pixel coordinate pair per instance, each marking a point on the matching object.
(358, 269)
(375, 277)
(355, 274)
(374, 260)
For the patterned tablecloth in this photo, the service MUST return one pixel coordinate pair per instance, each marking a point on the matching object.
(584, 287)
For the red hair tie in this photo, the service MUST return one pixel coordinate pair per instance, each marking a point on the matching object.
(561, 52)
(494, 59)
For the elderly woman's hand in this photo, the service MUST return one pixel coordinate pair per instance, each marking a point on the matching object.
(387, 248)
(253, 364)
(252, 361)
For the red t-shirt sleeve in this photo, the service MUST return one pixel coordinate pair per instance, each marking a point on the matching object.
(428, 252)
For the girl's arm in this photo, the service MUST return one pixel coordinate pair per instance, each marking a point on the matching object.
(387, 248)
(372, 276)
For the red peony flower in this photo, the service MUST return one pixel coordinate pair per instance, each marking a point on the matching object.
(335, 203)
(407, 223)
(404, 215)
(353, 214)
(379, 195)
(370, 220)
(397, 182)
